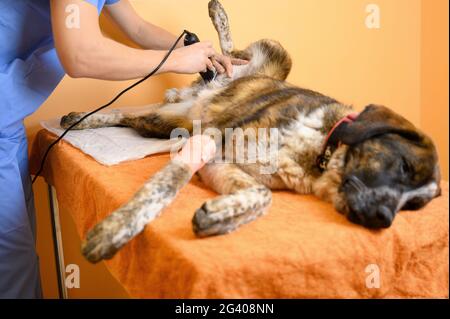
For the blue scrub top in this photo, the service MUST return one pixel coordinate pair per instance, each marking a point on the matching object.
(29, 66)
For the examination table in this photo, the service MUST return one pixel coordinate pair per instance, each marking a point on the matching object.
(302, 248)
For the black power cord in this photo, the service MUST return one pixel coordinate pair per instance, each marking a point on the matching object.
(108, 104)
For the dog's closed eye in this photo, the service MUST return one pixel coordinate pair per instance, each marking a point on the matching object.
(415, 203)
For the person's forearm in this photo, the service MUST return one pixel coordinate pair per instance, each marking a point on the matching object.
(150, 36)
(85, 52)
(109, 60)
(143, 33)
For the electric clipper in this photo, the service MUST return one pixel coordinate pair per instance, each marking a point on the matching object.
(190, 39)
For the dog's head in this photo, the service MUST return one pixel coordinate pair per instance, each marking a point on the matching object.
(389, 165)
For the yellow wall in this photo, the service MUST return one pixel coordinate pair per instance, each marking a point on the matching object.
(434, 99)
(333, 52)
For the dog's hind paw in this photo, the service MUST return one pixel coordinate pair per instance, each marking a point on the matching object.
(70, 119)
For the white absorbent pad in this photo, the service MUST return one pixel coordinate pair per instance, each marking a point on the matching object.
(114, 145)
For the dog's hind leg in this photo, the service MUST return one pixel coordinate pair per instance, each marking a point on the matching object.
(157, 122)
(243, 200)
(161, 122)
(98, 120)
(94, 121)
(220, 21)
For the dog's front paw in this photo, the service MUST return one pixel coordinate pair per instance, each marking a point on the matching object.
(70, 119)
(209, 220)
(106, 238)
(98, 245)
(224, 214)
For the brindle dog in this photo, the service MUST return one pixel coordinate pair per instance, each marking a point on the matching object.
(383, 163)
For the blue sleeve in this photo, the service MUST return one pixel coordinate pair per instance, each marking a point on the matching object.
(95, 3)
(100, 3)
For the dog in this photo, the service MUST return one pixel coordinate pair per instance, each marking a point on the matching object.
(369, 166)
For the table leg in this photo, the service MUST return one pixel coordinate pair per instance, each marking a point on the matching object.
(57, 242)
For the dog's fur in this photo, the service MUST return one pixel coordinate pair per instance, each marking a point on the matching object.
(384, 165)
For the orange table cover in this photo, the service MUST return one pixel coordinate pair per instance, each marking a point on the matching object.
(302, 248)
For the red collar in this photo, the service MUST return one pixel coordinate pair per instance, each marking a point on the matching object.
(331, 143)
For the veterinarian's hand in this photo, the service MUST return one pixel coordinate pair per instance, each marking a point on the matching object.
(224, 63)
(200, 57)
(192, 59)
(197, 151)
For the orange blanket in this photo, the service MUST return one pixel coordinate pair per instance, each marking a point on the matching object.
(301, 249)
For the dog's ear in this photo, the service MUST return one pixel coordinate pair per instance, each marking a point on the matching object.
(377, 120)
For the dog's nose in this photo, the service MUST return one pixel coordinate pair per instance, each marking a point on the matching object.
(382, 219)
(385, 216)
